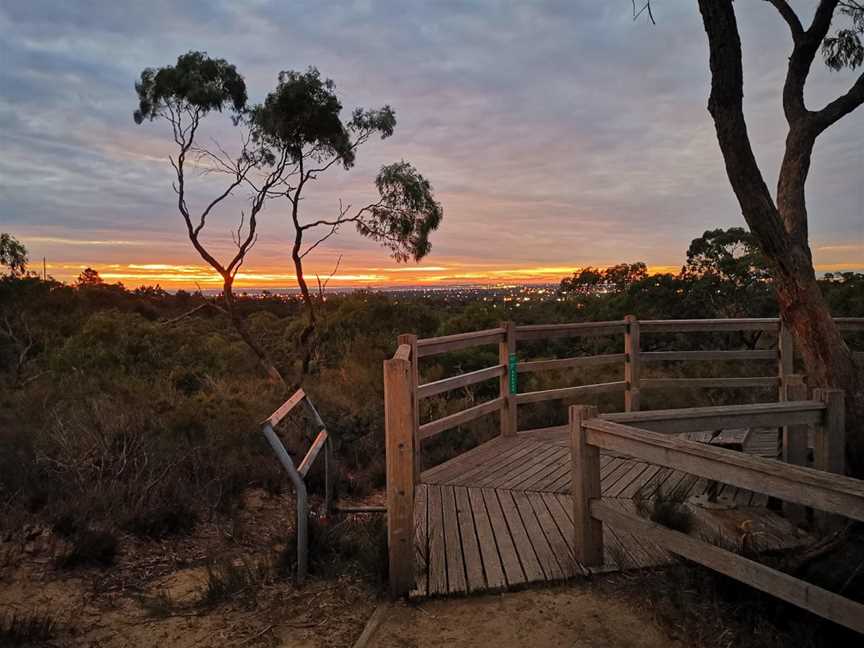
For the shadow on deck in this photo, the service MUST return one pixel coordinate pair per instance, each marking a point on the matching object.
(500, 515)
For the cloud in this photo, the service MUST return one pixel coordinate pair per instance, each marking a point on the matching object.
(556, 134)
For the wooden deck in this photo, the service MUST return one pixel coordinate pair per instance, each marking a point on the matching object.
(500, 516)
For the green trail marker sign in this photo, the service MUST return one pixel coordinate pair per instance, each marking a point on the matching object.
(511, 372)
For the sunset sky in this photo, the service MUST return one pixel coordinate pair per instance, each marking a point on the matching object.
(556, 134)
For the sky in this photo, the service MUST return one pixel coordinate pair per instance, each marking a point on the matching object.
(556, 135)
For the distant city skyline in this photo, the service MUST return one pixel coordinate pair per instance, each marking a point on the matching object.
(556, 135)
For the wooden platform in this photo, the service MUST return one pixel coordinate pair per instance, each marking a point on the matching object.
(499, 516)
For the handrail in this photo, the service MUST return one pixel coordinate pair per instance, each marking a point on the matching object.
(834, 493)
(434, 346)
(462, 380)
(698, 419)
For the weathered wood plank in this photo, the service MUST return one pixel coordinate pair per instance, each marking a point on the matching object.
(704, 383)
(708, 356)
(540, 543)
(570, 363)
(506, 548)
(821, 490)
(462, 380)
(284, 408)
(570, 392)
(421, 539)
(550, 331)
(436, 345)
(521, 539)
(783, 586)
(470, 545)
(437, 548)
(556, 540)
(312, 454)
(707, 325)
(697, 419)
(453, 544)
(437, 426)
(494, 572)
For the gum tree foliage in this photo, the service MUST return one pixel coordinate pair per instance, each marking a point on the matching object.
(779, 222)
(302, 118)
(288, 140)
(13, 255)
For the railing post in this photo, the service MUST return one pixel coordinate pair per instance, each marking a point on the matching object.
(411, 340)
(399, 442)
(829, 444)
(785, 358)
(632, 345)
(795, 443)
(585, 486)
(506, 390)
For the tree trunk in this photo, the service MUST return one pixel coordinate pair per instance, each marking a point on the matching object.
(246, 335)
(782, 230)
(307, 336)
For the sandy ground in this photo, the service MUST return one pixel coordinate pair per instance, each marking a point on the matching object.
(570, 616)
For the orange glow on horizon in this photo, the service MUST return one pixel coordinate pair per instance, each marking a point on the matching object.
(189, 276)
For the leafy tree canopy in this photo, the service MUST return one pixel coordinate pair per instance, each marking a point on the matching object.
(844, 49)
(732, 254)
(302, 117)
(89, 277)
(197, 83)
(13, 255)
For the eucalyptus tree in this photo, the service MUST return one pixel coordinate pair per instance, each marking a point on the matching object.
(13, 255)
(301, 118)
(780, 223)
(287, 141)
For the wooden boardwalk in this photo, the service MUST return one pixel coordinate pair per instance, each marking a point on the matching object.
(500, 516)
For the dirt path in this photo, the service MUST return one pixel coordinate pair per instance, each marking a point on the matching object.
(571, 616)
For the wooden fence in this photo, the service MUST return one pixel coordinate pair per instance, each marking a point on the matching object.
(648, 436)
(403, 391)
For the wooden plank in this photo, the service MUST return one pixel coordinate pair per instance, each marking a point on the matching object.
(550, 331)
(494, 572)
(513, 571)
(433, 346)
(506, 349)
(530, 563)
(453, 544)
(829, 448)
(437, 426)
(708, 325)
(553, 534)
(850, 323)
(585, 486)
(821, 490)
(615, 489)
(705, 383)
(462, 380)
(470, 544)
(495, 465)
(794, 444)
(312, 454)
(539, 542)
(570, 363)
(632, 365)
(570, 392)
(399, 451)
(708, 356)
(539, 465)
(697, 419)
(634, 487)
(411, 341)
(437, 547)
(421, 539)
(284, 408)
(783, 586)
(476, 456)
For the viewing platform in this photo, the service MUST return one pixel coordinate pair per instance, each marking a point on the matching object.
(716, 485)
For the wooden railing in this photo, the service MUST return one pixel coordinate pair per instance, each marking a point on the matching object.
(508, 335)
(648, 436)
(403, 391)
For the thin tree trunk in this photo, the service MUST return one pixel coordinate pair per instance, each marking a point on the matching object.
(307, 336)
(243, 330)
